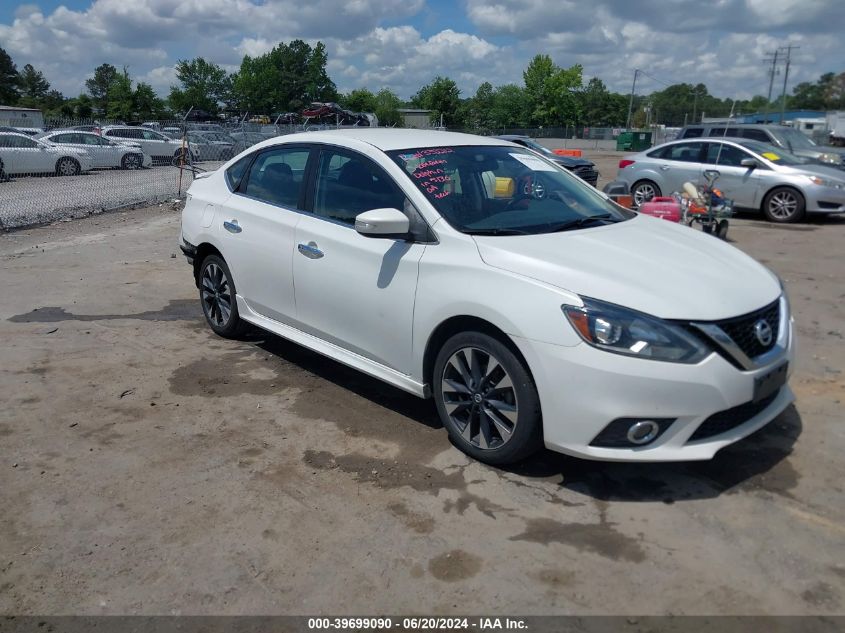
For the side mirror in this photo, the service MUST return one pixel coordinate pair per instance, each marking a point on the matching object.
(387, 223)
(748, 162)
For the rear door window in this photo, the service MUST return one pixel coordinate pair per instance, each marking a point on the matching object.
(276, 176)
(756, 135)
(684, 152)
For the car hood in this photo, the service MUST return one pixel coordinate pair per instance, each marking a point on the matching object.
(816, 169)
(650, 265)
(571, 161)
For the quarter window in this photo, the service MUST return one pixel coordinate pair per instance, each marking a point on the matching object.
(351, 184)
(684, 152)
(693, 132)
(236, 172)
(276, 176)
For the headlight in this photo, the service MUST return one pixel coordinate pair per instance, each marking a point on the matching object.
(623, 331)
(824, 182)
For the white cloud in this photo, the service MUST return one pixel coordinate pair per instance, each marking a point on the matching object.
(375, 43)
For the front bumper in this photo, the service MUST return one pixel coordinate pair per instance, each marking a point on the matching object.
(583, 389)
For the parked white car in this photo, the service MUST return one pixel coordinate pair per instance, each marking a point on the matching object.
(158, 146)
(105, 153)
(22, 155)
(532, 308)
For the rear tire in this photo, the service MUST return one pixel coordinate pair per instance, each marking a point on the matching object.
(643, 191)
(784, 205)
(217, 296)
(131, 161)
(68, 167)
(487, 399)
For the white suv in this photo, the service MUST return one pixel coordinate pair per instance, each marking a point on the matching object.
(161, 148)
(533, 309)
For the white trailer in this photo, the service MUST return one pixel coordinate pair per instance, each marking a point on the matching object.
(836, 127)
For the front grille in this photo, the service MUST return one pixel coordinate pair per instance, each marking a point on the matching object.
(586, 172)
(741, 329)
(724, 421)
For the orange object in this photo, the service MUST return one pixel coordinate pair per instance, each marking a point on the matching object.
(567, 152)
(623, 201)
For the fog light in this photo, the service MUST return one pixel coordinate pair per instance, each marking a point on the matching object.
(643, 432)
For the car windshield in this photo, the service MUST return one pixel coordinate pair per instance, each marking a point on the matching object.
(498, 190)
(772, 153)
(537, 147)
(793, 139)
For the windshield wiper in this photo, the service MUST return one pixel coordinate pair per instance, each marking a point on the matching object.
(496, 232)
(580, 222)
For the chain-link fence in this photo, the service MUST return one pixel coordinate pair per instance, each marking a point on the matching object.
(72, 168)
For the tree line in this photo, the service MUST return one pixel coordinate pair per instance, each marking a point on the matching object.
(292, 75)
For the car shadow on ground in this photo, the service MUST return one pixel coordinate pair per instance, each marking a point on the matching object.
(760, 461)
(757, 462)
(374, 390)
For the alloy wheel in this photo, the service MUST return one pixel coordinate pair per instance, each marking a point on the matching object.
(643, 193)
(67, 167)
(783, 205)
(132, 161)
(479, 398)
(216, 295)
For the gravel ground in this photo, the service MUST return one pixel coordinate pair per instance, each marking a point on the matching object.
(149, 467)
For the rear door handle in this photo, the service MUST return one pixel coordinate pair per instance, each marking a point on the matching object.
(232, 226)
(310, 250)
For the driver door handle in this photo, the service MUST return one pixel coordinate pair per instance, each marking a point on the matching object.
(310, 250)
(664, 168)
(232, 226)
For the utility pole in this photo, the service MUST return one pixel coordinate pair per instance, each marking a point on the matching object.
(631, 102)
(772, 73)
(785, 77)
(694, 104)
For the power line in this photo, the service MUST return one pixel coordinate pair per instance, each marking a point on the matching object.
(772, 72)
(785, 77)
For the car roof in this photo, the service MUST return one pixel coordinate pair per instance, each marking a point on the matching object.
(388, 139)
(16, 134)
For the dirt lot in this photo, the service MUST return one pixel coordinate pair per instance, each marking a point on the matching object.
(147, 466)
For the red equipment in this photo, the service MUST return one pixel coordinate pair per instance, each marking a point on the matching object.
(664, 208)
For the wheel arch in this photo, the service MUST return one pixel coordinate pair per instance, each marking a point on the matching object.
(204, 250)
(768, 191)
(66, 157)
(463, 323)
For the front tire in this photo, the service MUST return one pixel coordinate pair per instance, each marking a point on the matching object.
(643, 191)
(217, 296)
(487, 399)
(784, 205)
(68, 167)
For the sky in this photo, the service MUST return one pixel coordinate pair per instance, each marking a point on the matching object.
(403, 44)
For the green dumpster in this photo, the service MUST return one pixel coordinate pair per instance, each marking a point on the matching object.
(633, 141)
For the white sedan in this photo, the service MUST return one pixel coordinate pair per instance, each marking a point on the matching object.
(105, 153)
(532, 309)
(22, 155)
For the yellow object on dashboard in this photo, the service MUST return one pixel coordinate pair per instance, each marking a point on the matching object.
(770, 156)
(504, 187)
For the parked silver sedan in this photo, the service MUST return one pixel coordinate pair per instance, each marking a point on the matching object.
(754, 175)
(105, 153)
